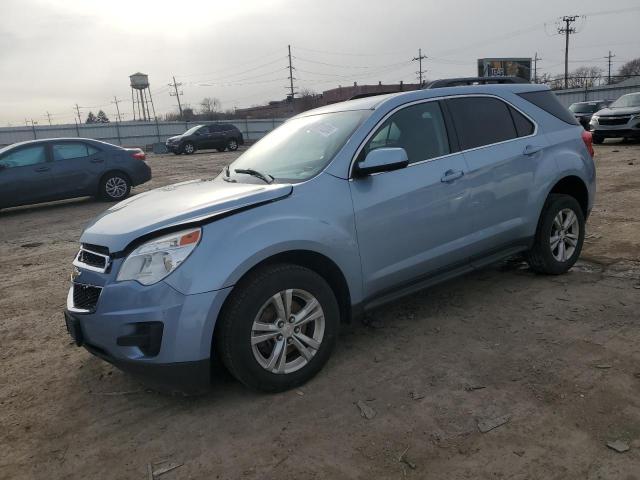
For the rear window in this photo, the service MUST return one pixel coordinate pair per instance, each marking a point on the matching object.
(548, 102)
(481, 121)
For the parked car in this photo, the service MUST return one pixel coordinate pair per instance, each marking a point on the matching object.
(621, 119)
(54, 169)
(336, 212)
(221, 136)
(584, 110)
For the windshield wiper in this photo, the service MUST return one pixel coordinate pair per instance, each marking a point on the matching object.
(266, 178)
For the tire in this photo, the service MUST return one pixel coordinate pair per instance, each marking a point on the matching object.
(115, 186)
(232, 145)
(597, 139)
(255, 298)
(546, 258)
(188, 148)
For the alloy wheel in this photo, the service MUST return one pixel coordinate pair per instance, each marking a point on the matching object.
(565, 232)
(116, 187)
(287, 331)
(188, 148)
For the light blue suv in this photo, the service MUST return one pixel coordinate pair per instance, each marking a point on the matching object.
(336, 212)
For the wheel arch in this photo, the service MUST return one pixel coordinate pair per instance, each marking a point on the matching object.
(575, 187)
(315, 261)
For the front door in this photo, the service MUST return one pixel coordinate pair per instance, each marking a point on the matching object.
(414, 222)
(25, 176)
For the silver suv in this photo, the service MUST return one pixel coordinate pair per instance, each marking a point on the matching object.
(621, 119)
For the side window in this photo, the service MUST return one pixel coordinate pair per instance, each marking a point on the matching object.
(523, 126)
(481, 121)
(24, 157)
(215, 128)
(419, 129)
(67, 151)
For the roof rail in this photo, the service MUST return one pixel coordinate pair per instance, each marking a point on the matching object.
(459, 82)
(371, 94)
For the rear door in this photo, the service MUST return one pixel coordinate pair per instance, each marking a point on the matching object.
(76, 168)
(25, 176)
(413, 222)
(501, 147)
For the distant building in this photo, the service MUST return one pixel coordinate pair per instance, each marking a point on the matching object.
(287, 107)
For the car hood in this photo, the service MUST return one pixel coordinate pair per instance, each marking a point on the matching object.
(176, 137)
(617, 111)
(173, 205)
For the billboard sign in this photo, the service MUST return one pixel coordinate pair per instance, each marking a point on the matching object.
(505, 67)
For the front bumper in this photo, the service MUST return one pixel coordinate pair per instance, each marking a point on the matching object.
(154, 332)
(630, 128)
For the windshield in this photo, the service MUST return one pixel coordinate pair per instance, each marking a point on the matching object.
(192, 130)
(583, 107)
(300, 148)
(630, 100)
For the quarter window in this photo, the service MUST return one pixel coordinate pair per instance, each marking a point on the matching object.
(523, 126)
(24, 157)
(481, 121)
(419, 129)
(67, 151)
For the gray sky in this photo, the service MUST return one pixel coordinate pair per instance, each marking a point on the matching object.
(56, 53)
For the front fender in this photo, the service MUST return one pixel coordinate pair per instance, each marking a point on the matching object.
(316, 217)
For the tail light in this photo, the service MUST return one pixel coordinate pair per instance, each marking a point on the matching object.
(587, 138)
(139, 155)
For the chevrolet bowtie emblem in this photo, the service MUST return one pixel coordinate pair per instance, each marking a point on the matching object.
(75, 273)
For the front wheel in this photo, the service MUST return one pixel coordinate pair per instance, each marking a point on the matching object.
(559, 236)
(115, 186)
(279, 328)
(188, 148)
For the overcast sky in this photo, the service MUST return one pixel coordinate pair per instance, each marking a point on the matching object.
(54, 54)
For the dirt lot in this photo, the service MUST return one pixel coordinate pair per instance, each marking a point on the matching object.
(558, 358)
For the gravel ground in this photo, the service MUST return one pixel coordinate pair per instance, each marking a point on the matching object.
(553, 363)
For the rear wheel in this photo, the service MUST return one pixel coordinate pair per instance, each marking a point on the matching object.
(559, 236)
(279, 328)
(232, 145)
(597, 139)
(115, 186)
(189, 148)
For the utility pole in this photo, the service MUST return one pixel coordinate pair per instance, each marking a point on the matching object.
(609, 57)
(78, 111)
(535, 67)
(291, 79)
(49, 118)
(419, 59)
(567, 29)
(177, 94)
(116, 101)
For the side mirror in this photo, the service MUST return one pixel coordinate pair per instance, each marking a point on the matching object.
(382, 160)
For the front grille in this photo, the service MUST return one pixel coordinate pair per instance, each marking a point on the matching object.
(85, 297)
(613, 120)
(93, 257)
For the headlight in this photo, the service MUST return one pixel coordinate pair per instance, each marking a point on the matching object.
(154, 260)
(595, 117)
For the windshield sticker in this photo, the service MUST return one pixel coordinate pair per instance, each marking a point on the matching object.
(324, 129)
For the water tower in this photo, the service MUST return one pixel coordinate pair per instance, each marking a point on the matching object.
(141, 97)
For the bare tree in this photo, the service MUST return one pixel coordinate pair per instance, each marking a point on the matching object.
(632, 67)
(209, 107)
(585, 77)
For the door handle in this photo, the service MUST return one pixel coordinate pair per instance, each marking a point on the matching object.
(451, 175)
(531, 149)
(97, 160)
(42, 169)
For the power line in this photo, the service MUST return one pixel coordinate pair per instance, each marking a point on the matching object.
(536, 59)
(609, 57)
(177, 94)
(290, 75)
(116, 101)
(567, 29)
(419, 59)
